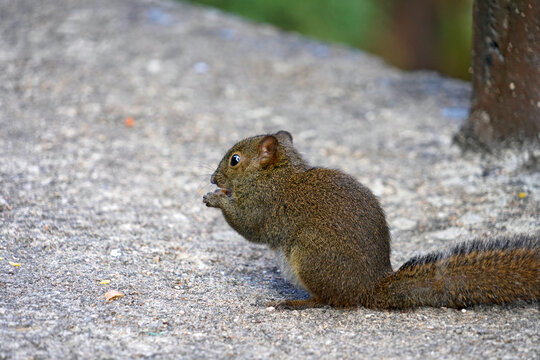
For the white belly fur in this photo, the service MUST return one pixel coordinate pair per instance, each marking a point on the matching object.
(286, 270)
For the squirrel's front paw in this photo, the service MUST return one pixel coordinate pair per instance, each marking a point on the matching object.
(212, 199)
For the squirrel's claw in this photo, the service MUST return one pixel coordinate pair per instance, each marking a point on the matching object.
(295, 304)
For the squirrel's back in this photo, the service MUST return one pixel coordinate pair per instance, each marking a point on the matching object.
(478, 272)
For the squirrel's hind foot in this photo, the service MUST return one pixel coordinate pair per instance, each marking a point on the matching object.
(295, 304)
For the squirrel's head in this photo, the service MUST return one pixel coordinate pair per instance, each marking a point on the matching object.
(255, 156)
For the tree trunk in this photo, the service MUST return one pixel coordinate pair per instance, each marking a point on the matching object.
(506, 75)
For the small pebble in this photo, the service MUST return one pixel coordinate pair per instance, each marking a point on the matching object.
(201, 67)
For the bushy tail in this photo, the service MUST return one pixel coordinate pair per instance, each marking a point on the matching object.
(478, 272)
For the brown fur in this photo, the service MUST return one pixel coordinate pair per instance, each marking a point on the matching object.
(333, 233)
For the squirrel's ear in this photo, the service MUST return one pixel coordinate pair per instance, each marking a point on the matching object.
(268, 150)
(284, 136)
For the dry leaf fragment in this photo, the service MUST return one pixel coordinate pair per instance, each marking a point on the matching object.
(104, 282)
(522, 195)
(129, 122)
(23, 329)
(113, 294)
(14, 264)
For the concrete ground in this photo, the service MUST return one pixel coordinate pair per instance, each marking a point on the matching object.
(113, 114)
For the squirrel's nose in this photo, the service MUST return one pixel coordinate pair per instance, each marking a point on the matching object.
(213, 179)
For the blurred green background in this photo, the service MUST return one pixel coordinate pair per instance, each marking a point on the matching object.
(410, 34)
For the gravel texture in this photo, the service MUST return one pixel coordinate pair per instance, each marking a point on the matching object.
(86, 198)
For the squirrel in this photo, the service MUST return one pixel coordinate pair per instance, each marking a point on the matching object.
(332, 237)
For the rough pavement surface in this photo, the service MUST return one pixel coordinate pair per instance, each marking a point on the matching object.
(86, 198)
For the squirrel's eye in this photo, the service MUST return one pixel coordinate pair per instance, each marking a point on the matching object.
(235, 159)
